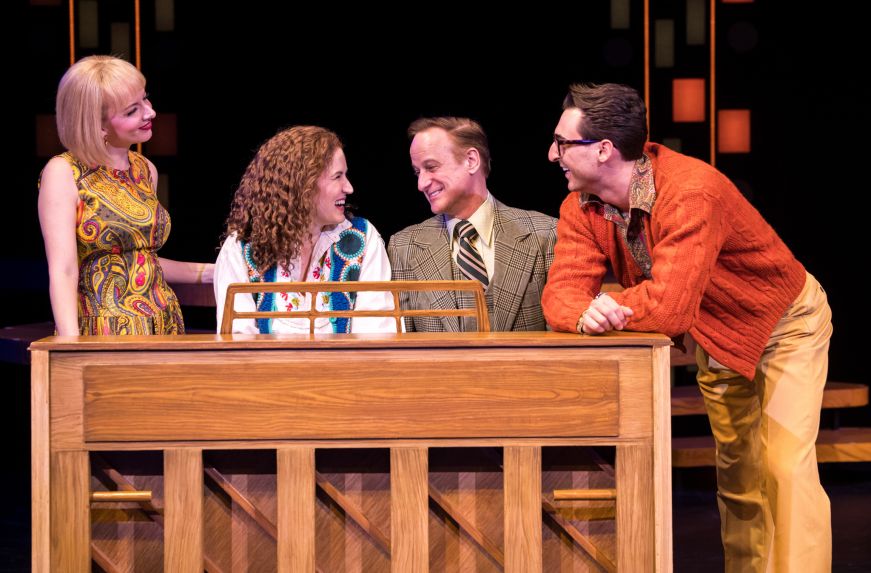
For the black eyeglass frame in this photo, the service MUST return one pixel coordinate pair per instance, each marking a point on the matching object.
(559, 142)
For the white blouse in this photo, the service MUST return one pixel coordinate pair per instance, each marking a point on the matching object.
(231, 268)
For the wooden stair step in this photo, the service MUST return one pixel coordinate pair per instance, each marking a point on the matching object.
(841, 445)
(687, 400)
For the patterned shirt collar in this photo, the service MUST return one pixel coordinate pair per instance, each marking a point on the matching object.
(630, 226)
(642, 192)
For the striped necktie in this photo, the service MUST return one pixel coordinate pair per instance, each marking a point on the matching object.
(468, 258)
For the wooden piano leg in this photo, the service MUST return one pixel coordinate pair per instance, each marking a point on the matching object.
(40, 462)
(635, 537)
(183, 493)
(70, 512)
(296, 509)
(522, 467)
(409, 510)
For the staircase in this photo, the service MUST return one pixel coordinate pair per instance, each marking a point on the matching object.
(833, 445)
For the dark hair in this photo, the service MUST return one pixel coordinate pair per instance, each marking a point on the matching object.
(611, 111)
(464, 132)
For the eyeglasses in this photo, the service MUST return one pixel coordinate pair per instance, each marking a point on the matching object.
(560, 142)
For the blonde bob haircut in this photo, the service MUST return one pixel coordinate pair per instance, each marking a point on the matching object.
(90, 92)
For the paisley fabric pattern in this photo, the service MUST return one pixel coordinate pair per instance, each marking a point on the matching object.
(642, 197)
(120, 225)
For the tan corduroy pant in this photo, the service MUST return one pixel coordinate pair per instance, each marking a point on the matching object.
(774, 513)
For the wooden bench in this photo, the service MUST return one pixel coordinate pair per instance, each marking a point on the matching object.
(833, 445)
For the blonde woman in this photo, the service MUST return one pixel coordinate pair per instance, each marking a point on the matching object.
(101, 221)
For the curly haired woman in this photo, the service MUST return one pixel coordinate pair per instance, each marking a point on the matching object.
(288, 223)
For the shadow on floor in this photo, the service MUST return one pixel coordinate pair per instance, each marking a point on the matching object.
(697, 522)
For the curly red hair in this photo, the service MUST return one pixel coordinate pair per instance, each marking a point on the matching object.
(272, 207)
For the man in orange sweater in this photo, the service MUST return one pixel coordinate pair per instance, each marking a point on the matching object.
(695, 257)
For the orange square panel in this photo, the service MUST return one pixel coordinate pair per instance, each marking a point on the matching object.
(688, 100)
(733, 131)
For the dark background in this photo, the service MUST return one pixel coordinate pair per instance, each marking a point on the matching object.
(236, 76)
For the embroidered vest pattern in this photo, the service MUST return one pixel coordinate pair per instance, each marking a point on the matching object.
(346, 258)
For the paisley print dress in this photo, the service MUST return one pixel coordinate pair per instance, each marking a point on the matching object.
(120, 225)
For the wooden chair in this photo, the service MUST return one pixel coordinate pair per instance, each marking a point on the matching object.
(395, 287)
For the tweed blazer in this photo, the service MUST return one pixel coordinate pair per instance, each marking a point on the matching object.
(523, 251)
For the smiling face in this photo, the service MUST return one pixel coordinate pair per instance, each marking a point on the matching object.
(579, 162)
(333, 188)
(131, 123)
(444, 174)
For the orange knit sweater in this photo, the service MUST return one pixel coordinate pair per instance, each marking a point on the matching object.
(720, 272)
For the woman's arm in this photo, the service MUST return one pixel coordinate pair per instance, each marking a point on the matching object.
(58, 199)
(186, 272)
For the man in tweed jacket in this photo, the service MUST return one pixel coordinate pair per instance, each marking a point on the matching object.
(451, 159)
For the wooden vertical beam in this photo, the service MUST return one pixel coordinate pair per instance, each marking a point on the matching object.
(635, 523)
(522, 466)
(662, 457)
(296, 509)
(647, 72)
(183, 514)
(70, 512)
(409, 510)
(137, 39)
(40, 467)
(72, 22)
